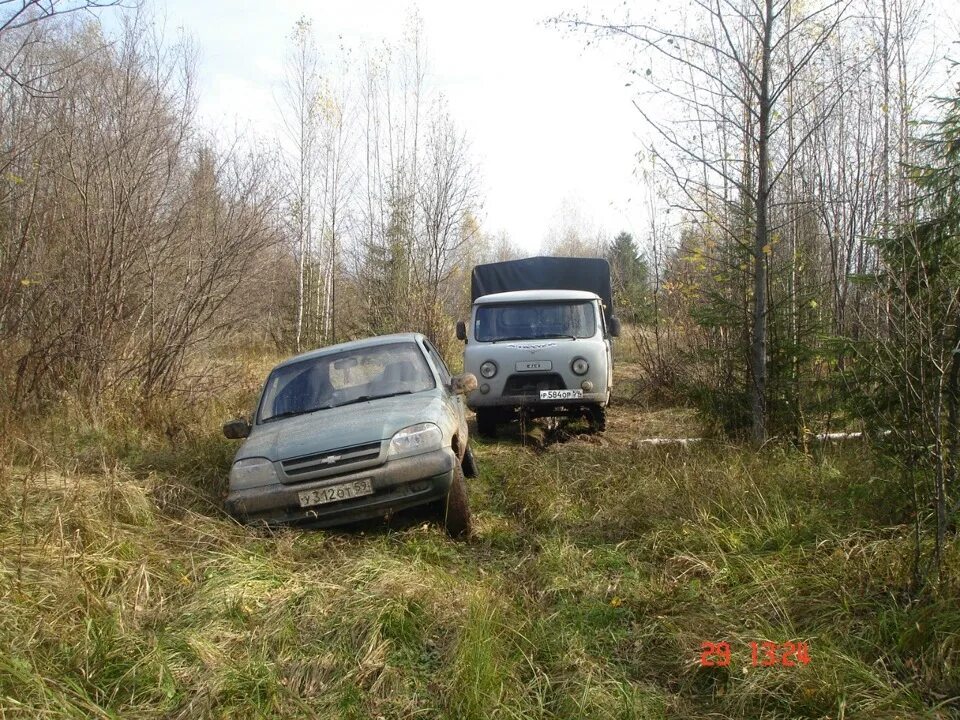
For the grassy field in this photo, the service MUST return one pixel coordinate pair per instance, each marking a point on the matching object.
(597, 568)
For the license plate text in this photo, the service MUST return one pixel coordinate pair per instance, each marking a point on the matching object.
(336, 493)
(561, 394)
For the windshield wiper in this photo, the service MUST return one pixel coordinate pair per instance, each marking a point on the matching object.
(292, 413)
(512, 337)
(366, 398)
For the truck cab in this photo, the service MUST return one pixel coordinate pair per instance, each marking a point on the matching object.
(539, 353)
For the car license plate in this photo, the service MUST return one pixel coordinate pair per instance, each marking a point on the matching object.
(561, 394)
(529, 365)
(336, 493)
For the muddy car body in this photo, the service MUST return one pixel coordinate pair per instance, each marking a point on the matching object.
(354, 431)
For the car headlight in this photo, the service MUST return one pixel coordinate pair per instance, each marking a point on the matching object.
(580, 366)
(414, 440)
(251, 473)
(488, 369)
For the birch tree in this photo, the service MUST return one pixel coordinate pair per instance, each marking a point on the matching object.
(300, 98)
(725, 71)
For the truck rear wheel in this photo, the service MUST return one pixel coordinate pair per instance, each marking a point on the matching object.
(486, 423)
(456, 515)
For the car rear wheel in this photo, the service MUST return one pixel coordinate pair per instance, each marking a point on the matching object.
(469, 464)
(486, 423)
(456, 516)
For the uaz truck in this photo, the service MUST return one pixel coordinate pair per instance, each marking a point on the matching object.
(539, 340)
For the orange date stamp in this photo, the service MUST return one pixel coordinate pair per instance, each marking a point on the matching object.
(762, 654)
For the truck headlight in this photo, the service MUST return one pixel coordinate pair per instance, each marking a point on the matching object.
(251, 473)
(488, 369)
(580, 366)
(414, 440)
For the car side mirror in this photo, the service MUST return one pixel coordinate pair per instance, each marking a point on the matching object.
(236, 429)
(461, 330)
(614, 327)
(463, 384)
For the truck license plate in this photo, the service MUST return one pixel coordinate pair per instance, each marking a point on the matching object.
(534, 365)
(336, 493)
(561, 394)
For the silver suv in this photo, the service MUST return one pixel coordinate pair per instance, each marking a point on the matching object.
(355, 431)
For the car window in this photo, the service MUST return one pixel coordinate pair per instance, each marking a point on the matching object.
(445, 375)
(336, 379)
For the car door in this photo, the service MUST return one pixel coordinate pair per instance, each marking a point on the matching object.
(456, 401)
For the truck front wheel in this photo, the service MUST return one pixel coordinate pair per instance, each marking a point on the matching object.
(486, 423)
(598, 418)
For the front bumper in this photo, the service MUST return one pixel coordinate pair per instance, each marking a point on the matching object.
(397, 485)
(476, 400)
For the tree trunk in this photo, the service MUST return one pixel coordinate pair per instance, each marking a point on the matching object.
(758, 348)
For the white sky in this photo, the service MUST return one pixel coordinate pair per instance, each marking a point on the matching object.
(549, 121)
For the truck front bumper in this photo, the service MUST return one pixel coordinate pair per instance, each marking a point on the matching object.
(397, 485)
(476, 400)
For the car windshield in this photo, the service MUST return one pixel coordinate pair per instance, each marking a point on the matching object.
(337, 379)
(530, 321)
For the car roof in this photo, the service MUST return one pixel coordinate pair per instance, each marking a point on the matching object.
(535, 295)
(352, 345)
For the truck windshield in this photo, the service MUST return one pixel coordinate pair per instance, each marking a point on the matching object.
(529, 321)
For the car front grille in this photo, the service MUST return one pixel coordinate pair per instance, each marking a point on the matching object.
(530, 384)
(331, 459)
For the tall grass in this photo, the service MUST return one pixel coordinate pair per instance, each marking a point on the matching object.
(596, 572)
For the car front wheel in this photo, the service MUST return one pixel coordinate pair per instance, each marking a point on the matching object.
(456, 516)
(469, 464)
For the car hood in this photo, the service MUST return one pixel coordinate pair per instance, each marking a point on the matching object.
(340, 427)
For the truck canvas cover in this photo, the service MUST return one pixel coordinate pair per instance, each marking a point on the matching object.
(545, 273)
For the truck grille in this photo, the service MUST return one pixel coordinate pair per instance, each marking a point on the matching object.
(331, 459)
(530, 384)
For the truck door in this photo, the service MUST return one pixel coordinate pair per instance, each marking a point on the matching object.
(608, 348)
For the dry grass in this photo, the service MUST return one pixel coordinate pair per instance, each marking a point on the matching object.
(596, 571)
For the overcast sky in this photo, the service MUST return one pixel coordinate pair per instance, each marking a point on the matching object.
(550, 122)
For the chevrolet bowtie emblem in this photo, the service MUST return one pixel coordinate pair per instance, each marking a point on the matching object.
(330, 459)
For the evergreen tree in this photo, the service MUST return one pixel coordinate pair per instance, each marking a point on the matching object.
(630, 277)
(908, 373)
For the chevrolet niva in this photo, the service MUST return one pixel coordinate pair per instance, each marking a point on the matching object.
(355, 431)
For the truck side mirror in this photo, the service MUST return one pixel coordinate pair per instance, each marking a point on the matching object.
(614, 327)
(236, 429)
(461, 330)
